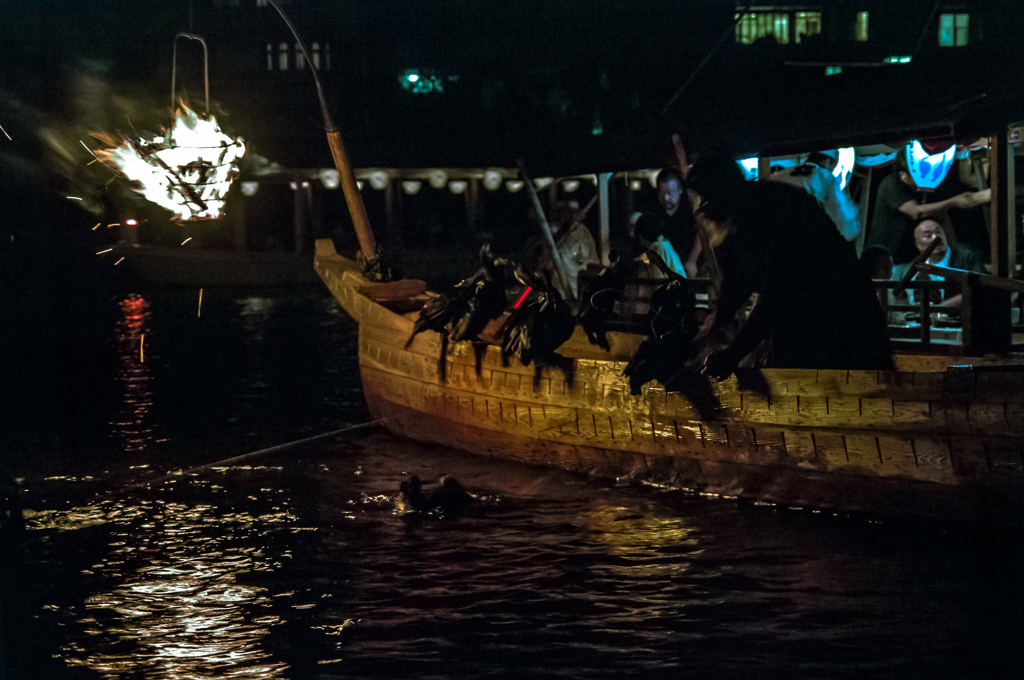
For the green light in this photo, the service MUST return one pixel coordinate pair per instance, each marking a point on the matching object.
(833, 70)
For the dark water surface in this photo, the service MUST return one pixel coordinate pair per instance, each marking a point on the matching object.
(295, 564)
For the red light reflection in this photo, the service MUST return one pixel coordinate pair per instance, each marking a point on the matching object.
(133, 374)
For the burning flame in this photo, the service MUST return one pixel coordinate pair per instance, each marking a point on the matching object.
(188, 171)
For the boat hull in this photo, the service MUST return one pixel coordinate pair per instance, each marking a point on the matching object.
(926, 440)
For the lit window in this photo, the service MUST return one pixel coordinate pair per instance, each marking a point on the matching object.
(282, 57)
(807, 24)
(754, 25)
(316, 56)
(862, 26)
(953, 29)
(270, 57)
(300, 62)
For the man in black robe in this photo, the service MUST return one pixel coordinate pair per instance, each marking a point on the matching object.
(815, 303)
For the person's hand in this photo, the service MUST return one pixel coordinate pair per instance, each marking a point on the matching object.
(720, 364)
(691, 269)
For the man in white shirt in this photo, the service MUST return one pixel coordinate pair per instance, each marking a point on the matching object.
(816, 178)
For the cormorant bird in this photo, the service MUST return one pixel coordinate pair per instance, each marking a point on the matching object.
(598, 298)
(465, 311)
(448, 500)
(669, 354)
(538, 327)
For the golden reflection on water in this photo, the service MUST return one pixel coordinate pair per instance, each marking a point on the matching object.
(177, 609)
(647, 543)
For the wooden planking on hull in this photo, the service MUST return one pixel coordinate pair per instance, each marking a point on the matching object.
(608, 391)
(948, 435)
(791, 486)
(919, 456)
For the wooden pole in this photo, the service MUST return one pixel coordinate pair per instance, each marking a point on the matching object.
(545, 229)
(1002, 210)
(238, 224)
(299, 214)
(702, 231)
(862, 213)
(605, 221)
(354, 199)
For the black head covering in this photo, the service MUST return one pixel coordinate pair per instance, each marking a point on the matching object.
(714, 175)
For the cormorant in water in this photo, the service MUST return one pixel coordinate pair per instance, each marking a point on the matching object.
(448, 500)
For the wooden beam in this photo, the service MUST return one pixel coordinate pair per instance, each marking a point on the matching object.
(1002, 209)
(605, 222)
(300, 214)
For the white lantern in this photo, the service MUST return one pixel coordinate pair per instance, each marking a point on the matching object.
(457, 187)
(514, 185)
(379, 179)
(411, 187)
(492, 179)
(438, 178)
(330, 178)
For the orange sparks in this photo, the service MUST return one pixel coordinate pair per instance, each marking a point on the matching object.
(142, 342)
(115, 224)
(104, 251)
(186, 240)
(5, 133)
(199, 312)
(119, 262)
(74, 198)
(97, 226)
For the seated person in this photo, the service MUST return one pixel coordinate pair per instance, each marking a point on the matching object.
(815, 177)
(575, 244)
(678, 223)
(648, 234)
(926, 230)
(898, 208)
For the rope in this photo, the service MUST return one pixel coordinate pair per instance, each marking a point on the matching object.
(261, 452)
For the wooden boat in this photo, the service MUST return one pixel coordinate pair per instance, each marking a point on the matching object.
(941, 436)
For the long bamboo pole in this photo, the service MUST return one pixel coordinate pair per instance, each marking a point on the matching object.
(545, 229)
(702, 232)
(354, 199)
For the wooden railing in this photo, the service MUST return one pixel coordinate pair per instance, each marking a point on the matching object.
(984, 312)
(980, 325)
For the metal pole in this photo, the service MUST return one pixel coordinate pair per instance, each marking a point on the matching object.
(174, 68)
